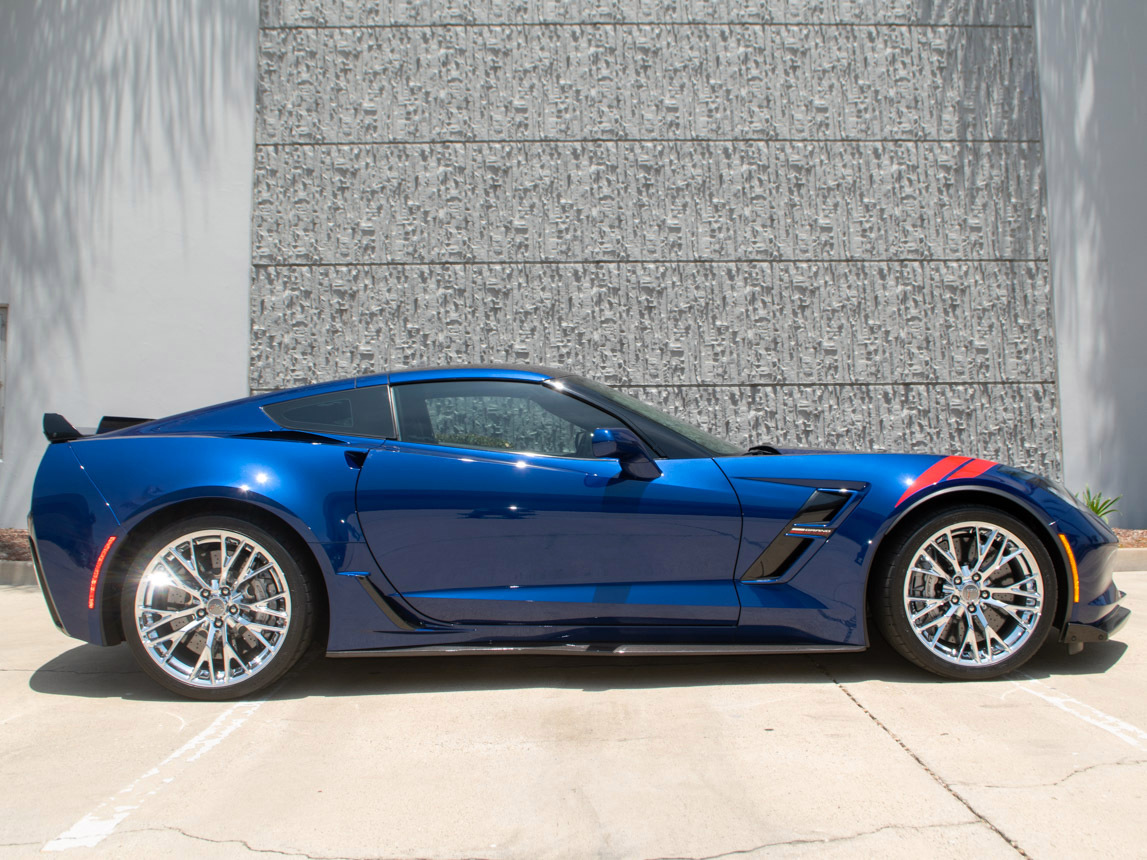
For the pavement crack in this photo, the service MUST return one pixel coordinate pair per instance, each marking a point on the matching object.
(943, 783)
(243, 842)
(169, 828)
(822, 840)
(1061, 780)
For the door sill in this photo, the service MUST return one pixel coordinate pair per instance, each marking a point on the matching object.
(598, 650)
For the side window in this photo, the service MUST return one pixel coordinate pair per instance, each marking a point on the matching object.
(353, 412)
(499, 416)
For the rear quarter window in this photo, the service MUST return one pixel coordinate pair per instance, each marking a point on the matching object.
(353, 412)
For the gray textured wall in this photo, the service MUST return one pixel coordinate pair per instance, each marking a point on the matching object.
(804, 222)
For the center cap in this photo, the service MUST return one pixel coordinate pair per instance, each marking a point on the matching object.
(216, 607)
(969, 593)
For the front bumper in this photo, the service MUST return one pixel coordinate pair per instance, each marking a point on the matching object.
(1098, 631)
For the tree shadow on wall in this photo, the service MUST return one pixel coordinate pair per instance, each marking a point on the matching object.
(97, 97)
(1091, 59)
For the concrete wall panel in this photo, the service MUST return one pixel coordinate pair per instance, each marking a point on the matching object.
(697, 200)
(817, 223)
(665, 82)
(342, 13)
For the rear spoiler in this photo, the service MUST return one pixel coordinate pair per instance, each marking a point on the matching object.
(57, 428)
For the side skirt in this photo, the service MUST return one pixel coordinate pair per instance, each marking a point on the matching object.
(599, 650)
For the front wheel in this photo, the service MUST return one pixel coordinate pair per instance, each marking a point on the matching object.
(215, 607)
(970, 593)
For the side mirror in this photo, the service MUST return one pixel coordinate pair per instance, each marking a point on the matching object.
(618, 443)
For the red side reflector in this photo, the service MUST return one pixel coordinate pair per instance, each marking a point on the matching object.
(96, 572)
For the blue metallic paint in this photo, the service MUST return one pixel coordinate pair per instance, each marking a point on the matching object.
(69, 523)
(475, 548)
(458, 531)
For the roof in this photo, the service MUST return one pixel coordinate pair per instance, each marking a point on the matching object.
(524, 372)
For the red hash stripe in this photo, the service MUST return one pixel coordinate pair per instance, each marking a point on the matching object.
(934, 474)
(972, 470)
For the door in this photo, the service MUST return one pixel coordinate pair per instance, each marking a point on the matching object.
(491, 509)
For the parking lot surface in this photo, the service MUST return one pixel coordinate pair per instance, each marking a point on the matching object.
(539, 757)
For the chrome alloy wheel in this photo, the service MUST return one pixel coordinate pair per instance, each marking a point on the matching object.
(212, 608)
(973, 594)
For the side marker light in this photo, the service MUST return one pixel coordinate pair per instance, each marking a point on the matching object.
(1074, 569)
(96, 572)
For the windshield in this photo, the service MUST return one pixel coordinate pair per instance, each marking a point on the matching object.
(712, 444)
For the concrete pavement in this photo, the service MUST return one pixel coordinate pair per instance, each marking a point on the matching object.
(532, 757)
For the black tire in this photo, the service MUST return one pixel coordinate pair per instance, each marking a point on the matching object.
(283, 589)
(1033, 571)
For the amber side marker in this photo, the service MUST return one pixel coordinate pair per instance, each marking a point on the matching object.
(100, 563)
(1074, 569)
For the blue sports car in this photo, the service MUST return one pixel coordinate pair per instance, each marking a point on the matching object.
(509, 509)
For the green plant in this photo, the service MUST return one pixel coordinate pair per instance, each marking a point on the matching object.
(1100, 505)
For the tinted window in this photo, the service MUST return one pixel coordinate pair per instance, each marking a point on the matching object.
(499, 416)
(653, 424)
(354, 412)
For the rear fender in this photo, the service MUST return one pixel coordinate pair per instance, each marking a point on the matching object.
(309, 487)
(70, 524)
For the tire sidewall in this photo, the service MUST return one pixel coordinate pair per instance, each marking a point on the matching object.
(894, 617)
(299, 631)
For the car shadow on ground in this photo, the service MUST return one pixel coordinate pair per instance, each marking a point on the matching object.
(90, 671)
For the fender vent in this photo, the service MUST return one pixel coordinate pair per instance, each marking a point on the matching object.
(819, 509)
(777, 558)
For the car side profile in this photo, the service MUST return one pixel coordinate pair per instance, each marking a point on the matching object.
(518, 509)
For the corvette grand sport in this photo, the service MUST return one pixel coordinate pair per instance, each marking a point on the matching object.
(512, 509)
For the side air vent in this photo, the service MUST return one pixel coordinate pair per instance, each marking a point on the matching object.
(821, 507)
(777, 558)
(291, 436)
(812, 521)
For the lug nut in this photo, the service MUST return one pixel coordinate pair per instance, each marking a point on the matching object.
(225, 591)
(975, 577)
(984, 595)
(205, 594)
(955, 599)
(959, 580)
(218, 622)
(200, 613)
(234, 610)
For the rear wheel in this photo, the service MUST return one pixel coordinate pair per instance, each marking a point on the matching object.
(215, 607)
(970, 593)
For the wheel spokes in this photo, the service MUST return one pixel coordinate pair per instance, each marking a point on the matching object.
(228, 632)
(983, 549)
(167, 618)
(190, 565)
(933, 604)
(994, 586)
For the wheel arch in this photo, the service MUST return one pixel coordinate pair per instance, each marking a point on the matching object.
(143, 530)
(936, 502)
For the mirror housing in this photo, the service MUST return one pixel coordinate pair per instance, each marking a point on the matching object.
(623, 445)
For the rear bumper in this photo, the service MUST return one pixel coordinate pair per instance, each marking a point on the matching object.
(69, 524)
(44, 590)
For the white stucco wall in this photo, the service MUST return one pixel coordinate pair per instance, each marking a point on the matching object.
(126, 156)
(1093, 77)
